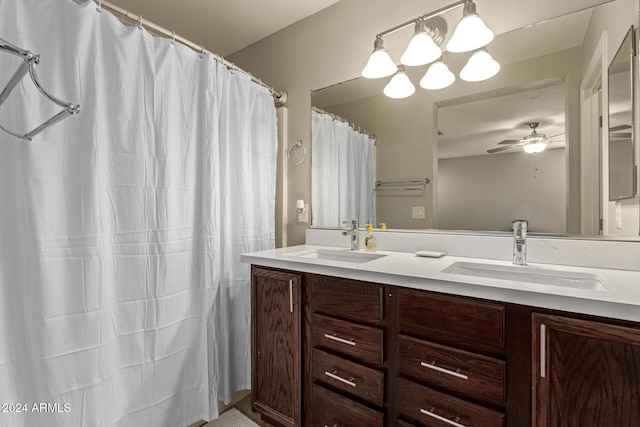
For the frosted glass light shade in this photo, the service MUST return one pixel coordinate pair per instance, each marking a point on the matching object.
(421, 50)
(438, 76)
(400, 86)
(535, 147)
(471, 32)
(379, 64)
(481, 66)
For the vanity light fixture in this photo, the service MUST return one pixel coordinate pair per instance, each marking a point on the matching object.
(471, 33)
(424, 45)
(400, 86)
(438, 76)
(481, 66)
(424, 48)
(380, 63)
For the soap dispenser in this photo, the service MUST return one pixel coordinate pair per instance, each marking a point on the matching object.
(370, 242)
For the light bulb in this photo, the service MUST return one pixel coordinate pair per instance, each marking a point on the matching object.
(438, 76)
(380, 63)
(471, 32)
(535, 147)
(400, 86)
(422, 49)
(481, 66)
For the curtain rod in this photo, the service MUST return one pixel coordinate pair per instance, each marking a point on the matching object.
(280, 98)
(340, 119)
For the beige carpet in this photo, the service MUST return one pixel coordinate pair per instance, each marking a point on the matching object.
(232, 418)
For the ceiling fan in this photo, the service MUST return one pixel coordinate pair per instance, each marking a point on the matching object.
(533, 143)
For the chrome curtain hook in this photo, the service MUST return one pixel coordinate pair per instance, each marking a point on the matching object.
(99, 8)
(139, 22)
(201, 51)
(173, 37)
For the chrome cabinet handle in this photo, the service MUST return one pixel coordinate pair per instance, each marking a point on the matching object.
(543, 350)
(443, 419)
(291, 295)
(342, 380)
(443, 370)
(341, 340)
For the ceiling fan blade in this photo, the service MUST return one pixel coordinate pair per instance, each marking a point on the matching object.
(620, 127)
(498, 149)
(553, 136)
(509, 141)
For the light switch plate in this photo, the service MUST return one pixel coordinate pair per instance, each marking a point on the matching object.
(417, 212)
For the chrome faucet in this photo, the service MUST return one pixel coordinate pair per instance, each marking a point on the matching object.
(519, 227)
(353, 232)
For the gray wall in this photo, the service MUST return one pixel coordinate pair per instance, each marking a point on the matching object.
(333, 45)
(488, 192)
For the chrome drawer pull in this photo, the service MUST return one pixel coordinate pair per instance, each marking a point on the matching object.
(342, 340)
(342, 380)
(443, 370)
(443, 419)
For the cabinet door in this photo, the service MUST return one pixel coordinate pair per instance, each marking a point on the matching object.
(585, 373)
(276, 351)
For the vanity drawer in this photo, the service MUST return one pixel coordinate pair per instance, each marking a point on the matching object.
(347, 299)
(350, 377)
(452, 320)
(431, 408)
(450, 369)
(363, 343)
(330, 409)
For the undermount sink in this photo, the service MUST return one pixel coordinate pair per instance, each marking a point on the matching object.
(542, 276)
(341, 255)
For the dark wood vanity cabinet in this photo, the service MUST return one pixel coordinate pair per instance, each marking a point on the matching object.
(348, 364)
(586, 373)
(451, 363)
(336, 352)
(276, 379)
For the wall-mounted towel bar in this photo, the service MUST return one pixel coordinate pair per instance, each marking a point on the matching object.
(28, 65)
(417, 184)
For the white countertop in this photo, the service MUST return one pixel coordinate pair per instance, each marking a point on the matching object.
(622, 301)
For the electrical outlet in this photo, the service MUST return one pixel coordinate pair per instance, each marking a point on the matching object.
(304, 215)
(417, 212)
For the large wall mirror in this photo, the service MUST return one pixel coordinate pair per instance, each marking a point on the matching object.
(452, 159)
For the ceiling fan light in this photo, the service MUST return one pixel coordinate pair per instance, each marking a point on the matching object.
(438, 76)
(534, 147)
(481, 66)
(380, 63)
(400, 86)
(422, 49)
(471, 32)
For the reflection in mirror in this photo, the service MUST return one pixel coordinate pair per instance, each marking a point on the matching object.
(469, 139)
(343, 171)
(622, 167)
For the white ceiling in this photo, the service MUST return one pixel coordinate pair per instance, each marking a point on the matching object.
(224, 26)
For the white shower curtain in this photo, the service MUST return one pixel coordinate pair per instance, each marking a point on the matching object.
(343, 173)
(122, 298)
